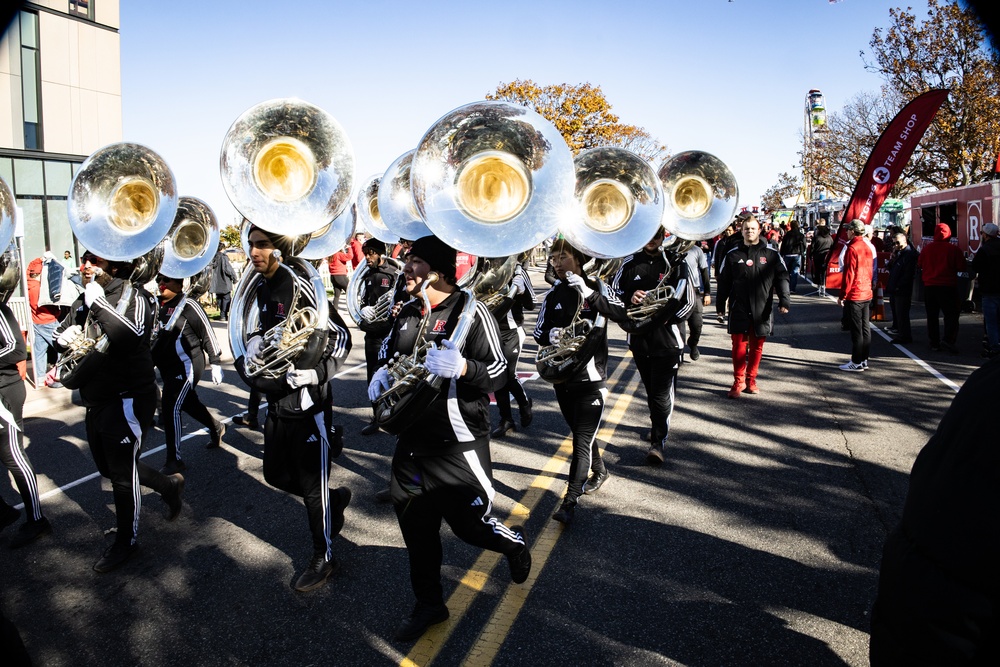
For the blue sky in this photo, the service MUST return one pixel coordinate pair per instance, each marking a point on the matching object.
(725, 77)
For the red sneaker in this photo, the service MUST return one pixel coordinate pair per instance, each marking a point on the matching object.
(736, 389)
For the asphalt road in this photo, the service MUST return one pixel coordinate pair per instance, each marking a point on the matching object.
(757, 542)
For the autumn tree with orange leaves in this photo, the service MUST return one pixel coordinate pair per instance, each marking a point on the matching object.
(583, 116)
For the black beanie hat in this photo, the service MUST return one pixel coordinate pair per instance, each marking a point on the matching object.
(439, 255)
(374, 245)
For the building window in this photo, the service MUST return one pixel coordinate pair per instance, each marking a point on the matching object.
(82, 8)
(31, 98)
(41, 188)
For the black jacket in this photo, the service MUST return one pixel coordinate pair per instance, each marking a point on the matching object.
(748, 280)
(191, 338)
(128, 369)
(902, 270)
(558, 310)
(458, 420)
(986, 265)
(793, 243)
(274, 300)
(378, 281)
(12, 347)
(642, 271)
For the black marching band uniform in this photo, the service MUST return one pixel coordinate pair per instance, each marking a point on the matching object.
(510, 316)
(441, 467)
(121, 401)
(298, 426)
(179, 354)
(380, 279)
(12, 395)
(657, 345)
(581, 397)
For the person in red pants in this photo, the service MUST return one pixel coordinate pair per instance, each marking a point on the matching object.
(750, 274)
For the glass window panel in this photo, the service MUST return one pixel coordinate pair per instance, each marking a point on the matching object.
(29, 29)
(7, 172)
(29, 85)
(28, 176)
(34, 231)
(58, 176)
(60, 235)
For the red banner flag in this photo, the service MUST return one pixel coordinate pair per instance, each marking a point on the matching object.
(891, 153)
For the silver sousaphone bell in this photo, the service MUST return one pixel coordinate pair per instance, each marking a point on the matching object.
(10, 262)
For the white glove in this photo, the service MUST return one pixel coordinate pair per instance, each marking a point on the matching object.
(216, 374)
(379, 384)
(368, 312)
(576, 281)
(296, 379)
(555, 335)
(69, 335)
(92, 292)
(253, 349)
(446, 362)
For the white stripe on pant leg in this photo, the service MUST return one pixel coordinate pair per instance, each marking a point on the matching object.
(27, 471)
(671, 395)
(590, 445)
(476, 466)
(128, 409)
(324, 476)
(178, 406)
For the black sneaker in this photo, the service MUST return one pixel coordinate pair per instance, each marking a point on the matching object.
(695, 353)
(526, 414)
(29, 532)
(423, 617)
(248, 421)
(114, 556)
(565, 513)
(595, 481)
(654, 456)
(316, 574)
(340, 498)
(519, 560)
(173, 496)
(502, 429)
(216, 432)
(8, 515)
(371, 429)
(173, 466)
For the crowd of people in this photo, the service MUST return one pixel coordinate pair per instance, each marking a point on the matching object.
(412, 307)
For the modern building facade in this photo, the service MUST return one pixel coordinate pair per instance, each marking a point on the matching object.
(60, 100)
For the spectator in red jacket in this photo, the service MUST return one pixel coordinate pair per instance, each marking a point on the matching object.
(940, 262)
(338, 271)
(856, 293)
(357, 254)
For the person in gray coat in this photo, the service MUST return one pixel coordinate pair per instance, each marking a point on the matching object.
(221, 285)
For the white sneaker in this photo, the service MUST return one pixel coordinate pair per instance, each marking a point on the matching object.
(853, 367)
(864, 364)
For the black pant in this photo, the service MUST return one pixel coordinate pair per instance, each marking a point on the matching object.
(457, 488)
(859, 323)
(659, 377)
(297, 461)
(582, 408)
(223, 299)
(941, 299)
(899, 304)
(692, 327)
(12, 449)
(511, 341)
(114, 433)
(180, 395)
(340, 284)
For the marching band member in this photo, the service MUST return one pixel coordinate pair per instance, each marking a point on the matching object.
(441, 467)
(657, 347)
(581, 398)
(12, 395)
(179, 355)
(381, 278)
(299, 407)
(120, 398)
(510, 317)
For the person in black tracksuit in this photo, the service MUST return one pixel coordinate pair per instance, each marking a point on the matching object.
(581, 396)
(297, 430)
(12, 395)
(902, 272)
(751, 273)
(121, 396)
(657, 343)
(510, 316)
(381, 278)
(179, 355)
(441, 468)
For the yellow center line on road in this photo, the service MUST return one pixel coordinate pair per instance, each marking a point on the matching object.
(475, 578)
